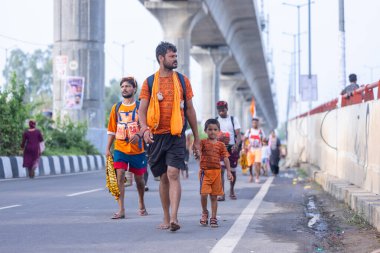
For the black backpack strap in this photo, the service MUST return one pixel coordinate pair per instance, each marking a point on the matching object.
(233, 127)
(117, 107)
(183, 84)
(150, 80)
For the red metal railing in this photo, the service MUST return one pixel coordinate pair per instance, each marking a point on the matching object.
(363, 94)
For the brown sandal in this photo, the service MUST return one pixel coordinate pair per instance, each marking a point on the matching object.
(117, 216)
(214, 222)
(204, 218)
(174, 226)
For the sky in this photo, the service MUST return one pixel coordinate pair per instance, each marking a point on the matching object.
(129, 22)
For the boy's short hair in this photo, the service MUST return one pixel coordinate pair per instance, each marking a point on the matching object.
(212, 121)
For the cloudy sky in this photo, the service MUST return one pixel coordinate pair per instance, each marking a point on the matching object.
(129, 21)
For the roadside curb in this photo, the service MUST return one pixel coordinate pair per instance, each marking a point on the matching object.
(363, 202)
(11, 166)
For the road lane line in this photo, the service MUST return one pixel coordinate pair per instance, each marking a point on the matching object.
(7, 207)
(229, 241)
(84, 192)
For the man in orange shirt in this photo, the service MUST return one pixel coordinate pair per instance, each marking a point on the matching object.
(173, 104)
(129, 151)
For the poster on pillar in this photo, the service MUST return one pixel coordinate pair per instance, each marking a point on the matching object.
(74, 88)
(60, 66)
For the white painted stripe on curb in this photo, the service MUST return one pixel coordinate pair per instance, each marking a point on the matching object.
(84, 162)
(45, 161)
(7, 167)
(7, 207)
(21, 170)
(66, 163)
(85, 192)
(75, 163)
(56, 164)
(92, 162)
(229, 241)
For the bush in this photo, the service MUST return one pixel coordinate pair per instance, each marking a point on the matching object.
(61, 138)
(65, 138)
(13, 115)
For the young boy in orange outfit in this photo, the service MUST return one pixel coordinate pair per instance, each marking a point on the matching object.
(212, 151)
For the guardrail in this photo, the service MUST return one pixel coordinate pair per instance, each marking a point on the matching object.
(364, 93)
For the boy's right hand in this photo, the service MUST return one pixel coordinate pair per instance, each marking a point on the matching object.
(108, 153)
(230, 176)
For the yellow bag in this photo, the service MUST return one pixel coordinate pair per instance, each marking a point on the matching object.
(153, 113)
(111, 179)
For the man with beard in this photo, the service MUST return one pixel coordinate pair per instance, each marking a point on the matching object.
(166, 104)
(129, 151)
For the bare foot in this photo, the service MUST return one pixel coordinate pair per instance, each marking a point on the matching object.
(163, 226)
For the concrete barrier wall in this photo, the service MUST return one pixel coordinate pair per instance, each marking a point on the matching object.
(11, 166)
(351, 147)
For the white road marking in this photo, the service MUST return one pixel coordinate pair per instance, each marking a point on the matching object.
(7, 207)
(84, 192)
(229, 241)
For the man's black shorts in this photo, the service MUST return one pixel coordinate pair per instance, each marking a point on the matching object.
(166, 150)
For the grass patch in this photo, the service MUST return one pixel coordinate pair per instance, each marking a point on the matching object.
(302, 173)
(357, 219)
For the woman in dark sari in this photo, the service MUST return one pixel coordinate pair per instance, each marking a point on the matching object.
(274, 158)
(31, 140)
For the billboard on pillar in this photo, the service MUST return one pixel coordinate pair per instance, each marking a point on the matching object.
(60, 66)
(74, 89)
(308, 88)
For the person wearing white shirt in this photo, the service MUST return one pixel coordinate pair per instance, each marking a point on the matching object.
(255, 136)
(229, 126)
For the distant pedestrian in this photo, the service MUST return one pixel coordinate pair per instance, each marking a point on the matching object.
(265, 150)
(32, 140)
(274, 158)
(212, 151)
(166, 105)
(230, 130)
(349, 89)
(129, 154)
(255, 135)
(189, 145)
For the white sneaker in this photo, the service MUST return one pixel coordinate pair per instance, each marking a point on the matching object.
(257, 181)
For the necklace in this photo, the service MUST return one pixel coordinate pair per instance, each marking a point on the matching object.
(128, 102)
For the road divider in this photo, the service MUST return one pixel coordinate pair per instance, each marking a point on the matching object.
(11, 166)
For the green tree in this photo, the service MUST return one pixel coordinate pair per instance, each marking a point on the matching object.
(35, 71)
(13, 115)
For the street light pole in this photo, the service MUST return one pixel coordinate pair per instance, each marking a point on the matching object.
(122, 45)
(298, 6)
(342, 46)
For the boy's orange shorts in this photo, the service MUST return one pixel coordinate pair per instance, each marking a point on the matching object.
(211, 181)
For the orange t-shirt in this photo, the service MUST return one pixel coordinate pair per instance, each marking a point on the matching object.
(125, 112)
(167, 89)
(212, 153)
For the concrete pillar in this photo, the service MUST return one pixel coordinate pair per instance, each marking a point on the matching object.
(211, 60)
(79, 33)
(228, 86)
(177, 19)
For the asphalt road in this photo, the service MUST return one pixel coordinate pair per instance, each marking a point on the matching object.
(72, 213)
